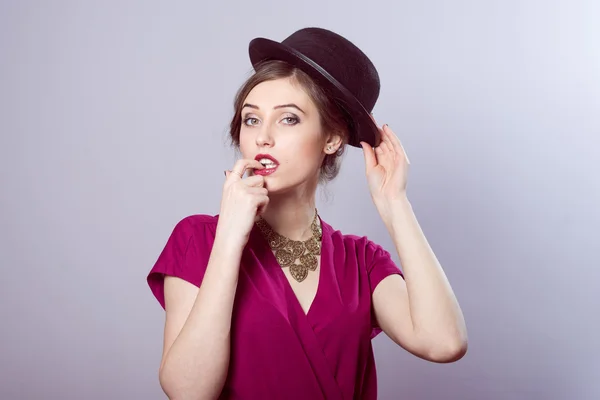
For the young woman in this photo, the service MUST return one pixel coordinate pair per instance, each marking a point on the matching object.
(268, 301)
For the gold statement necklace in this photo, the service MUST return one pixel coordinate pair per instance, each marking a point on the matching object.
(299, 256)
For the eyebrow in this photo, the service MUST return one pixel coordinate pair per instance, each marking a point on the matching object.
(290, 105)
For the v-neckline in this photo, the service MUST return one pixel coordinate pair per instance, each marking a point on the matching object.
(290, 294)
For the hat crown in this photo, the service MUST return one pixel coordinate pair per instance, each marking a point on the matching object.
(341, 59)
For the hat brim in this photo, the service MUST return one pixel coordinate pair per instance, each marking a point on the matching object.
(364, 128)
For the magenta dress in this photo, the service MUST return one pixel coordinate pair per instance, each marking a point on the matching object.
(278, 351)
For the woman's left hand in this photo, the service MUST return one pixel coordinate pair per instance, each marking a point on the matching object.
(386, 167)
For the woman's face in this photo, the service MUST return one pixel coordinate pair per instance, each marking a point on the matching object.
(279, 120)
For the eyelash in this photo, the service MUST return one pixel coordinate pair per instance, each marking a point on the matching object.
(295, 119)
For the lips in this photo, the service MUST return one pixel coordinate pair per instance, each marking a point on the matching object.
(269, 162)
(260, 157)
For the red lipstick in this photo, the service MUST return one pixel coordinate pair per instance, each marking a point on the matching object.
(269, 162)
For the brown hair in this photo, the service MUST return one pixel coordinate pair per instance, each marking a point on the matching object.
(333, 117)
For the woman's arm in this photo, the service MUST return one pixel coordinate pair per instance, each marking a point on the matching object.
(197, 329)
(420, 313)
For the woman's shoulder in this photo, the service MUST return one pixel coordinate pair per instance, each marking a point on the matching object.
(193, 229)
(349, 240)
(199, 220)
(196, 222)
(365, 252)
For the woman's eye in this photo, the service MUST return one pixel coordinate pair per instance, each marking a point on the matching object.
(250, 121)
(290, 120)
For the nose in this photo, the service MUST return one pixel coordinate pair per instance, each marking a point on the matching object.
(264, 137)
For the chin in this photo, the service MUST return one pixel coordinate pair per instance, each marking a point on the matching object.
(276, 185)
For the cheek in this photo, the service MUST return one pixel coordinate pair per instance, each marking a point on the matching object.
(305, 156)
(246, 144)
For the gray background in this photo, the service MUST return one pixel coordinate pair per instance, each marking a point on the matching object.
(113, 120)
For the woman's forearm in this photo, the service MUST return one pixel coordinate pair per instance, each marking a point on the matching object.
(435, 312)
(196, 365)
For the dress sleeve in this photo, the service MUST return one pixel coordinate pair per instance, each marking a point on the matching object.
(185, 255)
(379, 266)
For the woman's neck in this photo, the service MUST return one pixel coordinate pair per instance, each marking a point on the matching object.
(291, 216)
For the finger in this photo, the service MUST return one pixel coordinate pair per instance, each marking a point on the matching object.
(235, 174)
(242, 165)
(395, 141)
(255, 181)
(370, 159)
(386, 146)
(258, 191)
(391, 138)
(385, 137)
(262, 205)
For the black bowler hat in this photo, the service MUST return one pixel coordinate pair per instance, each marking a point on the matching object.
(336, 64)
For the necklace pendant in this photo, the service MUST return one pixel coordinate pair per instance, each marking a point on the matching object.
(309, 261)
(298, 272)
(284, 257)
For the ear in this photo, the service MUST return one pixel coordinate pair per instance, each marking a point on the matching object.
(334, 142)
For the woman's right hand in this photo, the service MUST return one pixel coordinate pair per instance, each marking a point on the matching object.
(242, 200)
